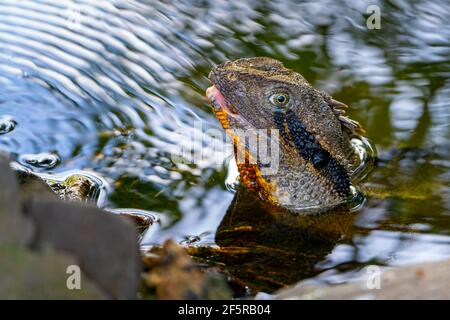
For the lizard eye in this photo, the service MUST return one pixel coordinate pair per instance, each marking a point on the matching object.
(279, 99)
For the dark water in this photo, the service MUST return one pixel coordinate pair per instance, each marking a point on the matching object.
(117, 87)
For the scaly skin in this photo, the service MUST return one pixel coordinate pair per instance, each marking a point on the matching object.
(309, 127)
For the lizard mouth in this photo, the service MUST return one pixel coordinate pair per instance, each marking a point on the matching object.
(218, 102)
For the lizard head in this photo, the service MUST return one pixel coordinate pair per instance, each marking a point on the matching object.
(312, 133)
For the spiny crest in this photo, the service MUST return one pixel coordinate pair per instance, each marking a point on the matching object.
(351, 126)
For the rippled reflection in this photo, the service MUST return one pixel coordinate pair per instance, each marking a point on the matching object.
(115, 87)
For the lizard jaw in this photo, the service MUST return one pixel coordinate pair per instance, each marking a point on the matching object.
(217, 100)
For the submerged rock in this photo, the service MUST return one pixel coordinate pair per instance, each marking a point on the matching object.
(29, 274)
(40, 246)
(80, 187)
(417, 282)
(173, 274)
(77, 187)
(105, 245)
(142, 219)
(15, 229)
(42, 275)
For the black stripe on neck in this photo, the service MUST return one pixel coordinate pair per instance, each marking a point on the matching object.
(310, 150)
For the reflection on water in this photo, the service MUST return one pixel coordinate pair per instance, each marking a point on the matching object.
(115, 87)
